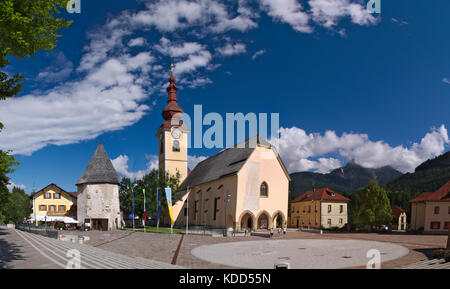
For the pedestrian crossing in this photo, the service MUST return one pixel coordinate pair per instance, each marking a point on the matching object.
(59, 252)
(429, 264)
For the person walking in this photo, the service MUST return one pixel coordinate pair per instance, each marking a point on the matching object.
(284, 231)
(271, 232)
(279, 231)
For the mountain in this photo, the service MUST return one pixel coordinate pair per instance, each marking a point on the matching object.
(347, 179)
(427, 177)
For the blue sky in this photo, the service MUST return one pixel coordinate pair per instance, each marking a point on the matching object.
(347, 84)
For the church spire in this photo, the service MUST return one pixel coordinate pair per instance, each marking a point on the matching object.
(172, 107)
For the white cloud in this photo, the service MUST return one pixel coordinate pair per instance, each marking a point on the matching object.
(194, 160)
(59, 71)
(258, 53)
(446, 80)
(171, 15)
(232, 49)
(108, 98)
(121, 165)
(298, 149)
(288, 11)
(140, 41)
(110, 84)
(12, 185)
(328, 12)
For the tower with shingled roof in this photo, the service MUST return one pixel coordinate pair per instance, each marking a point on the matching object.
(98, 194)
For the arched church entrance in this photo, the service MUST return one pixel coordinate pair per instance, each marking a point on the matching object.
(279, 220)
(263, 221)
(247, 221)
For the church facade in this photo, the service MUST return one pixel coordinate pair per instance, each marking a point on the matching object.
(242, 187)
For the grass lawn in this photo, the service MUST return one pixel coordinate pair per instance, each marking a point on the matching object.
(163, 230)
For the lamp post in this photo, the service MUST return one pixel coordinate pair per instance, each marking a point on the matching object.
(187, 211)
(227, 200)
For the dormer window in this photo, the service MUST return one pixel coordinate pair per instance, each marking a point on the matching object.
(47, 195)
(264, 190)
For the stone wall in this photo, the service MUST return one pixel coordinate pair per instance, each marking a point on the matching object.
(99, 201)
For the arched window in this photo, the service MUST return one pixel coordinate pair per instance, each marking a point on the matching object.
(176, 146)
(264, 190)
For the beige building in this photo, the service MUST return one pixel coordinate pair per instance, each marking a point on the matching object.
(400, 219)
(52, 204)
(430, 211)
(319, 208)
(245, 186)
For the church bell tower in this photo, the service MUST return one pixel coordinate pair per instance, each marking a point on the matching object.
(172, 135)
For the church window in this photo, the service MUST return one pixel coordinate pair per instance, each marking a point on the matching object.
(161, 148)
(176, 146)
(263, 190)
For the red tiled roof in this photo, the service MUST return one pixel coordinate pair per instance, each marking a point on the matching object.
(442, 194)
(323, 194)
(73, 194)
(397, 211)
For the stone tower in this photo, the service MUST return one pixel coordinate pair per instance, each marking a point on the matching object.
(98, 194)
(172, 136)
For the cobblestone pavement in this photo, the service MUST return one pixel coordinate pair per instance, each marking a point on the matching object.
(429, 264)
(161, 247)
(57, 252)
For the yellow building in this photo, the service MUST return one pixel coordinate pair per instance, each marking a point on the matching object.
(319, 208)
(245, 186)
(430, 211)
(53, 204)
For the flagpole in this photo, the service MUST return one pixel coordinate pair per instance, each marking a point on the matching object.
(145, 212)
(132, 192)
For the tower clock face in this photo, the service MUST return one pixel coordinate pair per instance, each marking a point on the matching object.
(176, 133)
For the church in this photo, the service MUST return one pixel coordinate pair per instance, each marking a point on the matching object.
(241, 187)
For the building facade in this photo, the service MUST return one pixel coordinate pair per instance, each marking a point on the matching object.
(430, 211)
(242, 187)
(53, 204)
(98, 194)
(319, 208)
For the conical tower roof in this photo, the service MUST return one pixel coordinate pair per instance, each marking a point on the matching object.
(100, 169)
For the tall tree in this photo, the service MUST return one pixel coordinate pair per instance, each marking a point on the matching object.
(375, 206)
(26, 26)
(19, 205)
(150, 182)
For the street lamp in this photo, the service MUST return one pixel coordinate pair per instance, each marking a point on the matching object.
(227, 200)
(187, 210)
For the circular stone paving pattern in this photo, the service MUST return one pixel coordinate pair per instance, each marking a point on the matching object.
(300, 253)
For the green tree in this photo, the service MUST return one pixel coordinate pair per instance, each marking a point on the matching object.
(26, 26)
(19, 206)
(7, 165)
(375, 206)
(150, 182)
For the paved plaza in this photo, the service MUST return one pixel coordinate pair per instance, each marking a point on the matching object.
(128, 249)
(299, 253)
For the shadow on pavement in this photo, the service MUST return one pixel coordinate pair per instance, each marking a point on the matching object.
(428, 252)
(8, 251)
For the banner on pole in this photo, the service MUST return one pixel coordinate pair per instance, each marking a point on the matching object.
(158, 203)
(169, 203)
